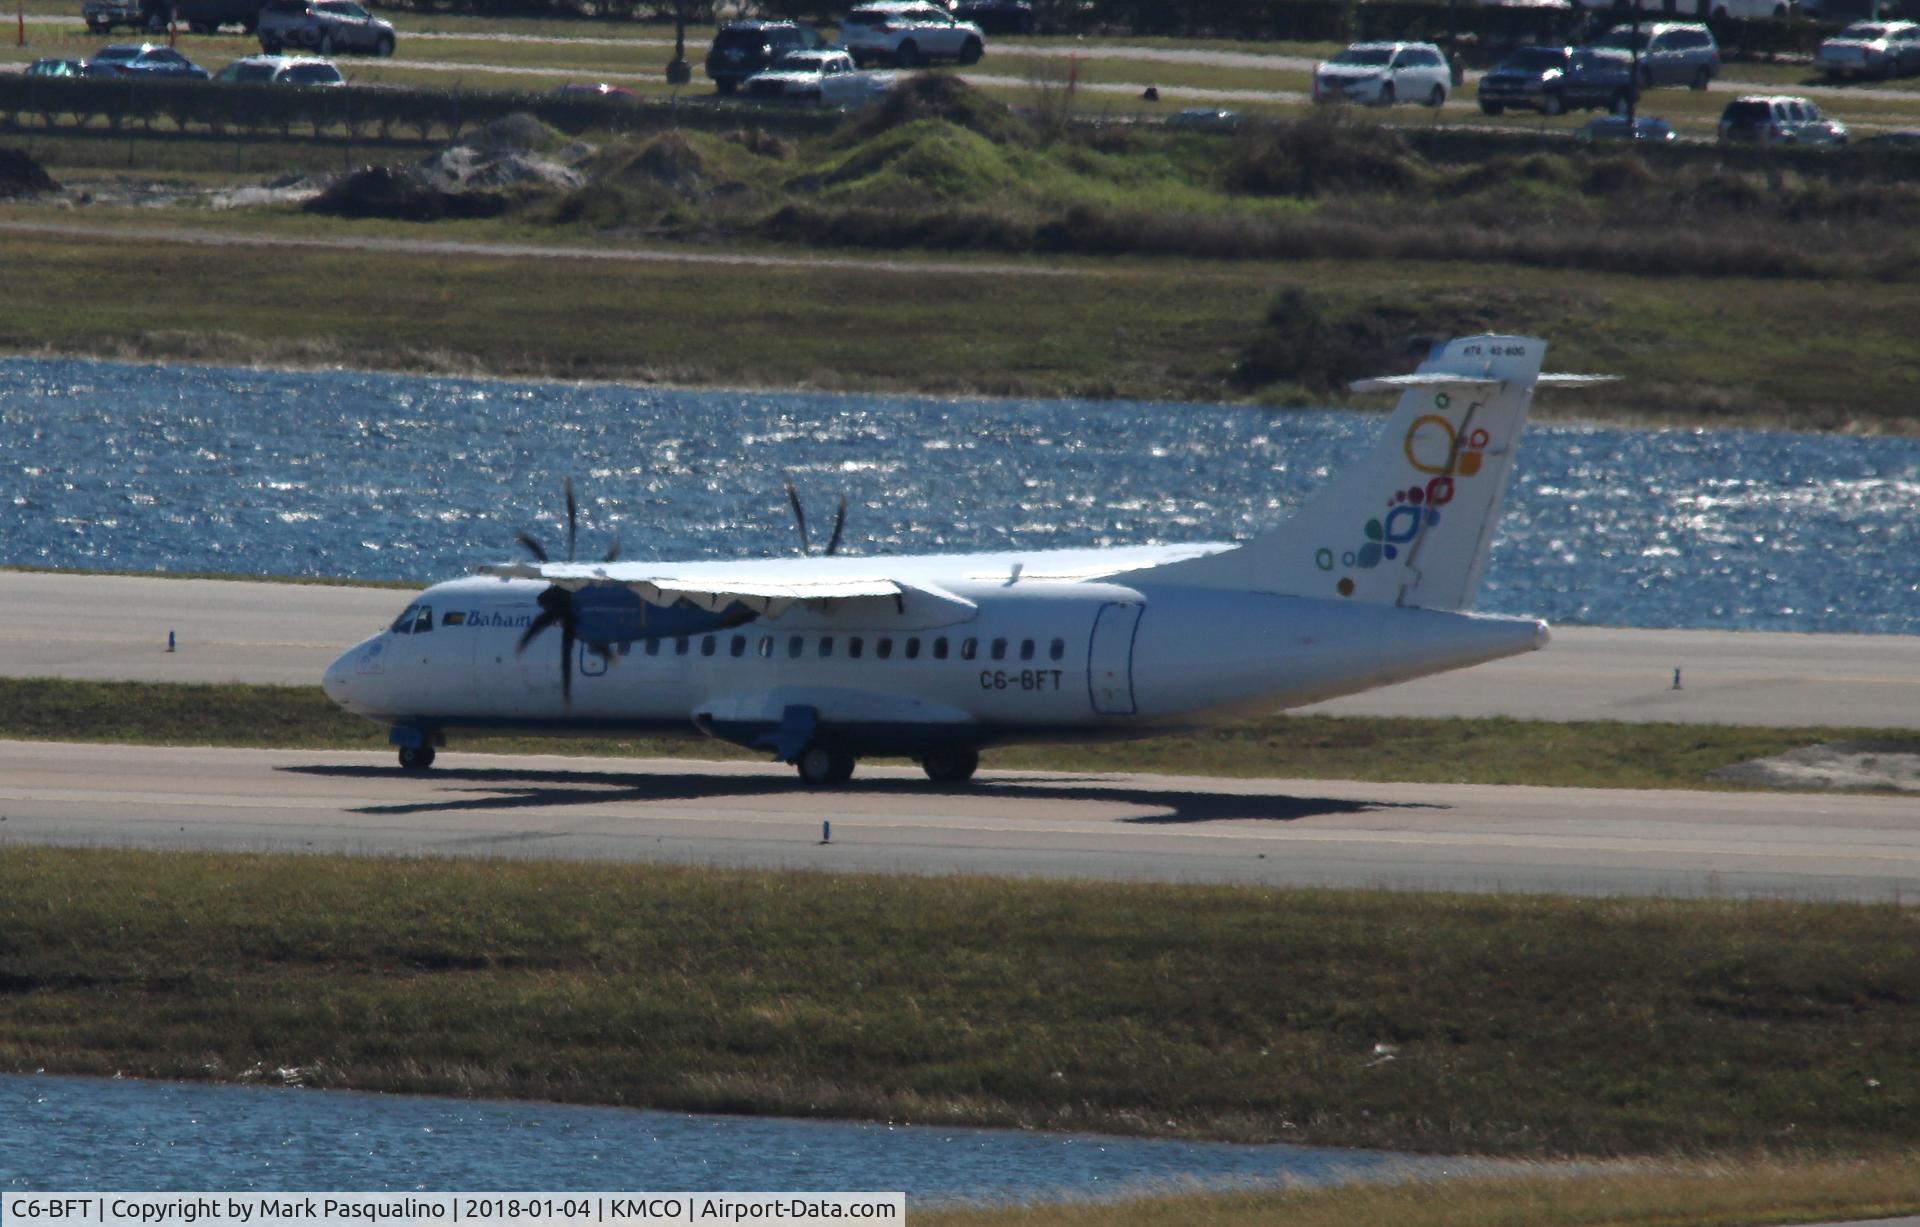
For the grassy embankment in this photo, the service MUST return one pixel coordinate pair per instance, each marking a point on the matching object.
(1440, 1023)
(1718, 1193)
(1721, 299)
(1490, 751)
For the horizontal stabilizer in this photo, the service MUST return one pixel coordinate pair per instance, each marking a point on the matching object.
(1440, 379)
(1425, 379)
(1575, 381)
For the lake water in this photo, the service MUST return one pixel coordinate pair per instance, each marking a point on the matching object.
(107, 1134)
(107, 465)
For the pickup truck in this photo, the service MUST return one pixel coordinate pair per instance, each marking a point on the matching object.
(824, 78)
(199, 16)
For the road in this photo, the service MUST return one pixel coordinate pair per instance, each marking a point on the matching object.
(1113, 827)
(115, 627)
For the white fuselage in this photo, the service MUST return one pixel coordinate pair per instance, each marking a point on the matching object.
(1033, 659)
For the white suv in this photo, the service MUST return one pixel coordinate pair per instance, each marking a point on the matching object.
(1383, 74)
(909, 34)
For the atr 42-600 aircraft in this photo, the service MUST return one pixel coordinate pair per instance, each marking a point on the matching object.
(821, 660)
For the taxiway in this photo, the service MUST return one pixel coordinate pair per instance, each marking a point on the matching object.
(1114, 827)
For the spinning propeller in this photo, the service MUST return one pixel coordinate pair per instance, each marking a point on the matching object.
(800, 519)
(556, 603)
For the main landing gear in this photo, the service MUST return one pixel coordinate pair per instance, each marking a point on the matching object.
(951, 766)
(416, 758)
(824, 765)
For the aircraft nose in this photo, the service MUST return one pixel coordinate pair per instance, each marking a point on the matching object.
(335, 680)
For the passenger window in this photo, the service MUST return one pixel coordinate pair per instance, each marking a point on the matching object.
(1026, 649)
(854, 645)
(883, 647)
(999, 649)
(940, 648)
(707, 644)
(826, 646)
(766, 646)
(969, 648)
(913, 649)
(403, 625)
(1057, 650)
(795, 646)
(423, 623)
(737, 646)
(680, 645)
(653, 647)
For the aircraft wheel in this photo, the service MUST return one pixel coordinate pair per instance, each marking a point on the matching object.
(951, 766)
(824, 765)
(416, 758)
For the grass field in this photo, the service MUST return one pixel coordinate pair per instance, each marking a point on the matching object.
(1490, 751)
(1720, 351)
(1718, 1193)
(1438, 1023)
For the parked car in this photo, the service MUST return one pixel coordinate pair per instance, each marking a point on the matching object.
(103, 15)
(154, 16)
(1616, 128)
(997, 16)
(1596, 79)
(330, 27)
(1553, 80)
(1207, 119)
(909, 34)
(742, 48)
(143, 60)
(1671, 52)
(1779, 119)
(824, 78)
(1870, 49)
(280, 70)
(1382, 74)
(1521, 80)
(56, 68)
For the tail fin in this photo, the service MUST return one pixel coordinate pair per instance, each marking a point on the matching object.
(1410, 524)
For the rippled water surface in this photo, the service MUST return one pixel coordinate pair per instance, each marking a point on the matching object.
(106, 1134)
(395, 477)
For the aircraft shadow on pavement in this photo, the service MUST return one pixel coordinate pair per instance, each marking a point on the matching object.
(498, 788)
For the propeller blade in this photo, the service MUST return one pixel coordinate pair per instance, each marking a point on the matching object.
(541, 623)
(566, 661)
(573, 519)
(613, 551)
(799, 517)
(538, 551)
(839, 526)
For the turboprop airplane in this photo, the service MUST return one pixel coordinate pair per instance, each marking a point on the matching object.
(820, 661)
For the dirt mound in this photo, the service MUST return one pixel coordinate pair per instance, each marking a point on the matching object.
(402, 193)
(1325, 152)
(669, 160)
(20, 175)
(515, 133)
(945, 98)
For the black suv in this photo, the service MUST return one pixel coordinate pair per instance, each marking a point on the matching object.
(743, 48)
(1556, 79)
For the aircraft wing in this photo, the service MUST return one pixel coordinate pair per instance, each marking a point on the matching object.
(767, 595)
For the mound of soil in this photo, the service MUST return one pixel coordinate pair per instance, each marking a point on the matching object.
(944, 98)
(20, 175)
(397, 192)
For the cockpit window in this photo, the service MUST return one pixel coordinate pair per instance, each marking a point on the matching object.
(403, 625)
(423, 623)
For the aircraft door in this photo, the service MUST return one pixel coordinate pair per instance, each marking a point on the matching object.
(1110, 658)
